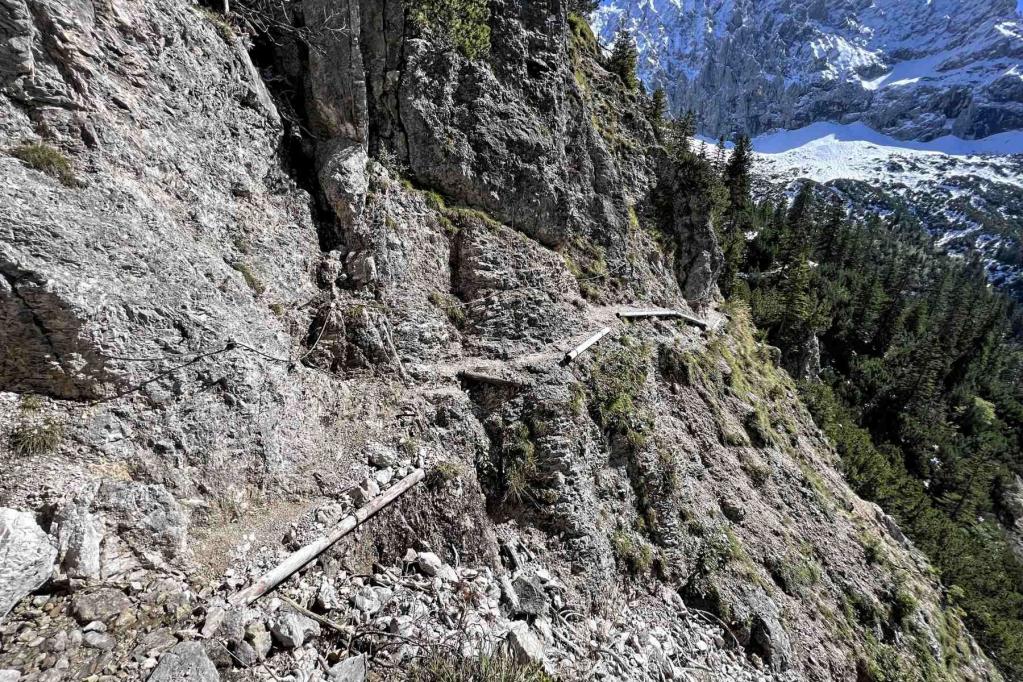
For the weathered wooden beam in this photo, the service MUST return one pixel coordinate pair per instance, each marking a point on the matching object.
(662, 312)
(303, 556)
(584, 346)
(470, 375)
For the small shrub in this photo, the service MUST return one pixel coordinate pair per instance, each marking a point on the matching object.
(36, 439)
(220, 23)
(31, 403)
(632, 551)
(462, 23)
(250, 278)
(759, 473)
(444, 472)
(519, 459)
(277, 309)
(795, 574)
(873, 552)
(46, 159)
(758, 426)
(451, 306)
(904, 605)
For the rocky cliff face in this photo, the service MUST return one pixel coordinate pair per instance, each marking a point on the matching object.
(244, 292)
(914, 70)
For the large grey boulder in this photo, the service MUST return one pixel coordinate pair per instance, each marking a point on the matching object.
(342, 174)
(352, 669)
(187, 662)
(524, 646)
(147, 516)
(26, 557)
(532, 600)
(78, 534)
(102, 605)
(291, 629)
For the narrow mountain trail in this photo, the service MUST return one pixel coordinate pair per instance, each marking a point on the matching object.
(512, 370)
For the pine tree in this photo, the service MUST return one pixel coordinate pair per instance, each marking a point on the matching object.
(737, 173)
(624, 58)
(658, 107)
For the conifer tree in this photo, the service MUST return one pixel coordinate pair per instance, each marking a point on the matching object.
(658, 107)
(624, 58)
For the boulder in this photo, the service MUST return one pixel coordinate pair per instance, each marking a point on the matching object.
(381, 456)
(99, 605)
(258, 636)
(524, 646)
(186, 662)
(292, 629)
(431, 565)
(147, 516)
(352, 669)
(342, 175)
(9, 676)
(532, 600)
(26, 557)
(78, 535)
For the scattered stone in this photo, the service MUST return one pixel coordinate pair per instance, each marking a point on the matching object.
(26, 557)
(78, 535)
(431, 565)
(381, 456)
(524, 646)
(291, 629)
(532, 600)
(258, 636)
(102, 604)
(352, 669)
(99, 640)
(214, 619)
(245, 654)
(367, 600)
(326, 596)
(186, 662)
(365, 491)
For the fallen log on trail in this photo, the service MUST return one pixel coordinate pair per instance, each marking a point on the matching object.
(584, 346)
(303, 556)
(480, 377)
(663, 312)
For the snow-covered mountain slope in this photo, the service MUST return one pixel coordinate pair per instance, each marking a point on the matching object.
(913, 69)
(968, 193)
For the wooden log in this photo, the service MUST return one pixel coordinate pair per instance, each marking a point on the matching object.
(303, 556)
(662, 312)
(584, 346)
(507, 382)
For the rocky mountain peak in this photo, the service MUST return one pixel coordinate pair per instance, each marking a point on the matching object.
(913, 70)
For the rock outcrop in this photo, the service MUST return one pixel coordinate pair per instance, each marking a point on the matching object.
(26, 557)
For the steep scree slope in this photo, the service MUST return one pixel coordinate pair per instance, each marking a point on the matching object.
(224, 326)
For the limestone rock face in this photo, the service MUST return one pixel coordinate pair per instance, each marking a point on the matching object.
(26, 557)
(251, 310)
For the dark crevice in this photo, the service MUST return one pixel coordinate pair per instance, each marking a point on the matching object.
(271, 55)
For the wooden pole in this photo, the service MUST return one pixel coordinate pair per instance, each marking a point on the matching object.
(584, 346)
(303, 556)
(663, 312)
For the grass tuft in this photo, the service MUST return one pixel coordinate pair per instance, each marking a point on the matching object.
(49, 160)
(36, 439)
